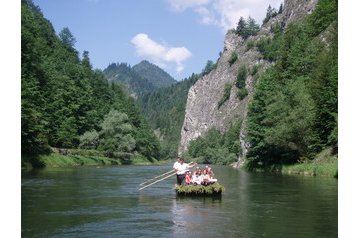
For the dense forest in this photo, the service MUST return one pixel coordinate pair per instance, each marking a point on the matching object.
(140, 79)
(67, 104)
(293, 115)
(165, 110)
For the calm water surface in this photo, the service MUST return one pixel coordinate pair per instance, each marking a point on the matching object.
(105, 202)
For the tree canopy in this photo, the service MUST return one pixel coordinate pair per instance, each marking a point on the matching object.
(293, 113)
(66, 104)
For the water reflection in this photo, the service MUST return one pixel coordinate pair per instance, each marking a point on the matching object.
(194, 217)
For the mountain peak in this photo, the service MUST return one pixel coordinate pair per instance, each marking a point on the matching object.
(142, 78)
(154, 74)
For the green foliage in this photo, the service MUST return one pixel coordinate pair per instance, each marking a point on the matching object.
(233, 58)
(155, 75)
(241, 77)
(270, 47)
(242, 93)
(124, 75)
(294, 110)
(67, 39)
(62, 97)
(115, 134)
(217, 148)
(324, 164)
(226, 94)
(241, 82)
(139, 79)
(197, 190)
(271, 12)
(254, 70)
(249, 45)
(246, 28)
(210, 65)
(165, 109)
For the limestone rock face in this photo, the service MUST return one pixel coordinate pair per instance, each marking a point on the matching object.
(202, 111)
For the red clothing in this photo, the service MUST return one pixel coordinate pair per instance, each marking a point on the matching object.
(187, 179)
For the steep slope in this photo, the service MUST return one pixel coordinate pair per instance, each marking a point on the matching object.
(164, 109)
(63, 98)
(206, 108)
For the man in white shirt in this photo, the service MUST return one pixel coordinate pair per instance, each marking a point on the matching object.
(180, 168)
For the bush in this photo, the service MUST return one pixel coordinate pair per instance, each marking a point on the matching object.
(226, 95)
(241, 77)
(233, 58)
(242, 93)
(254, 70)
(216, 148)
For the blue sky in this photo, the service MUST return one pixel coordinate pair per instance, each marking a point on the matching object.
(177, 35)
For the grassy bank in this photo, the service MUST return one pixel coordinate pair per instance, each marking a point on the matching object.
(324, 164)
(78, 158)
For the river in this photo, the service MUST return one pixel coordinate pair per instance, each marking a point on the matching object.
(105, 202)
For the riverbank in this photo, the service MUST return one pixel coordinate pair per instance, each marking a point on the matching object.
(325, 164)
(75, 158)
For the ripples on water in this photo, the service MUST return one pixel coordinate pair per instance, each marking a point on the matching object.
(105, 202)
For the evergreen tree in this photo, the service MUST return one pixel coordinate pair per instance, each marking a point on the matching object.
(67, 39)
(246, 28)
(63, 101)
(293, 115)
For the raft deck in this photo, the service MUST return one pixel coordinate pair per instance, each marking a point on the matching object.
(214, 189)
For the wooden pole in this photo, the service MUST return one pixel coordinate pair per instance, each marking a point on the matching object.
(157, 181)
(159, 176)
(150, 180)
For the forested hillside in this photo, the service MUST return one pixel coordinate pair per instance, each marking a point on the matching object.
(155, 75)
(122, 74)
(142, 78)
(165, 110)
(293, 115)
(292, 112)
(67, 104)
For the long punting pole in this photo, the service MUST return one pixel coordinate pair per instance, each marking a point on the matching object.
(157, 181)
(159, 177)
(150, 180)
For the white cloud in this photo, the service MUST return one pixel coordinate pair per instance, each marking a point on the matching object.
(207, 17)
(159, 53)
(230, 12)
(225, 13)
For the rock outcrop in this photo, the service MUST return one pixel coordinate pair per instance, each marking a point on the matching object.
(202, 111)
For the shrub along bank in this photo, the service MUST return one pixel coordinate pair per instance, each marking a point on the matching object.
(76, 157)
(324, 164)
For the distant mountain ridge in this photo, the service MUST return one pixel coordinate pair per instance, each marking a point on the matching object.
(154, 74)
(142, 78)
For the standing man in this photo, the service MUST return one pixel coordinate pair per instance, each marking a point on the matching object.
(180, 168)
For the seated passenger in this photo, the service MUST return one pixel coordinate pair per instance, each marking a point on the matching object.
(196, 178)
(205, 178)
(188, 177)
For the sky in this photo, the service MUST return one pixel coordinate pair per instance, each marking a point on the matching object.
(179, 36)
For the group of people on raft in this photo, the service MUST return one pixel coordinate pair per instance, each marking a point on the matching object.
(195, 177)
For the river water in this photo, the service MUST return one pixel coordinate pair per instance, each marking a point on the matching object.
(105, 202)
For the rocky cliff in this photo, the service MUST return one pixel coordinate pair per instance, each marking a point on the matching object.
(202, 111)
